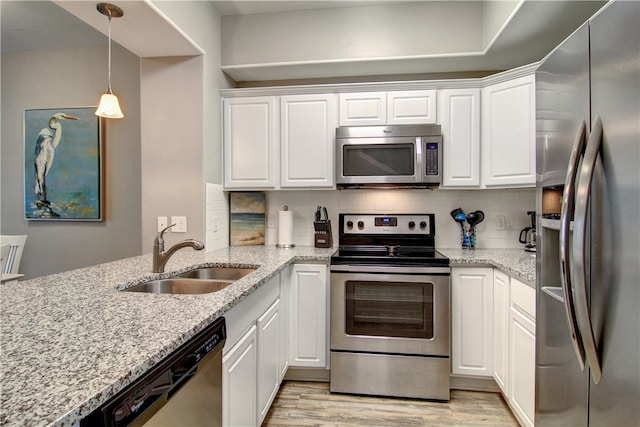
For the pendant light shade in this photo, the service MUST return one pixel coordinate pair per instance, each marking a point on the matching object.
(109, 107)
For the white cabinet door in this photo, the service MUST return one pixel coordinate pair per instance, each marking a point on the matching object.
(250, 143)
(364, 108)
(308, 316)
(283, 354)
(307, 135)
(268, 358)
(239, 374)
(388, 108)
(460, 121)
(522, 351)
(508, 133)
(411, 107)
(471, 321)
(501, 330)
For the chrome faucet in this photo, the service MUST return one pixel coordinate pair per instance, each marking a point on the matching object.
(160, 257)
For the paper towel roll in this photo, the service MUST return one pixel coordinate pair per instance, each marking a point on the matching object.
(285, 229)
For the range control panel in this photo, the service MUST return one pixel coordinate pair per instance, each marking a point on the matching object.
(412, 224)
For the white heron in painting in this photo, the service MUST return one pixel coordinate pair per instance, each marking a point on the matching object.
(45, 149)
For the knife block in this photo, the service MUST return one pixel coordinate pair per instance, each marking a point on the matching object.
(323, 236)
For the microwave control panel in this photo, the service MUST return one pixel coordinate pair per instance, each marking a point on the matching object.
(432, 159)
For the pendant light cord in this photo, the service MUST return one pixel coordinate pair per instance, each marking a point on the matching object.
(109, 64)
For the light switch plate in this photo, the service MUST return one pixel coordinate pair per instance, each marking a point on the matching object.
(180, 224)
(162, 223)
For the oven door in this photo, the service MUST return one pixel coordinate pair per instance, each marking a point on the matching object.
(390, 313)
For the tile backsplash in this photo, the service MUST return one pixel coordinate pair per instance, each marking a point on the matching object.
(512, 204)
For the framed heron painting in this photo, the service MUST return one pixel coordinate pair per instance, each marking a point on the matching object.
(62, 164)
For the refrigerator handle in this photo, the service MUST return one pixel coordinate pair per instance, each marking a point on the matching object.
(580, 249)
(565, 223)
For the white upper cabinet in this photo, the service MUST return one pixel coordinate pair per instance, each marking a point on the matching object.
(508, 133)
(250, 143)
(460, 122)
(411, 107)
(388, 108)
(366, 108)
(307, 135)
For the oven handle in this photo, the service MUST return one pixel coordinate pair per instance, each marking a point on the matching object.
(390, 270)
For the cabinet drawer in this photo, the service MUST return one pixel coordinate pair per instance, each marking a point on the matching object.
(523, 298)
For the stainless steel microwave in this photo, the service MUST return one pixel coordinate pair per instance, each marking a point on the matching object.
(388, 156)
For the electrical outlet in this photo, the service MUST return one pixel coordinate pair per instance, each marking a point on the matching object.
(162, 223)
(271, 221)
(501, 223)
(180, 224)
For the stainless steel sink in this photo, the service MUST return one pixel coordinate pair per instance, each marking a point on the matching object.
(180, 285)
(217, 273)
(198, 281)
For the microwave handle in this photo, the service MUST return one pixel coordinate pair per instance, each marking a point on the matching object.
(420, 173)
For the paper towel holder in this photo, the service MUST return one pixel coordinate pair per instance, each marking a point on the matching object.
(285, 245)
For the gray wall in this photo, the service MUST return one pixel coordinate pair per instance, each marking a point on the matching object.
(181, 134)
(73, 77)
(170, 136)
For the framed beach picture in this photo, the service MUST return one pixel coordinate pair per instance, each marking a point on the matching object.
(247, 218)
(62, 164)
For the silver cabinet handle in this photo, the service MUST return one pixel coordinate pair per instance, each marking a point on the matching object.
(580, 252)
(565, 219)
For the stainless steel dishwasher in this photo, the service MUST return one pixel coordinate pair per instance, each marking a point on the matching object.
(184, 389)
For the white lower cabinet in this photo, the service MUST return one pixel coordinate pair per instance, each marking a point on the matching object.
(501, 329)
(471, 321)
(268, 358)
(522, 352)
(308, 335)
(493, 334)
(251, 357)
(239, 374)
(283, 323)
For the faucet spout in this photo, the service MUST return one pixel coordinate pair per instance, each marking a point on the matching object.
(160, 256)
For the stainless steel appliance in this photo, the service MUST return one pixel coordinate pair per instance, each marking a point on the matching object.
(185, 389)
(588, 274)
(390, 327)
(528, 234)
(399, 155)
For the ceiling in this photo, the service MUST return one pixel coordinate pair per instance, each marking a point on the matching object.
(535, 29)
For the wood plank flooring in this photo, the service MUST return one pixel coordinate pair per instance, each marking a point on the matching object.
(307, 404)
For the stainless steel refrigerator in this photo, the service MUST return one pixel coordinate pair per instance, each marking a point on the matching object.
(588, 202)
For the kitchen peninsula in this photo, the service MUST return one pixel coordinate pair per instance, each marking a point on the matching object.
(71, 341)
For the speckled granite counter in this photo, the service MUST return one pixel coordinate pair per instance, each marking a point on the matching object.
(515, 262)
(71, 341)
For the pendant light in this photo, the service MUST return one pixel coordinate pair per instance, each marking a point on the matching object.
(109, 107)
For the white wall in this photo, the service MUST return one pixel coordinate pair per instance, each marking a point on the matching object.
(420, 28)
(512, 203)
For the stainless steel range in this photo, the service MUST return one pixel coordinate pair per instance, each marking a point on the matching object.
(390, 328)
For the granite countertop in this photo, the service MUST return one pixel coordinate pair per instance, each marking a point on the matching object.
(514, 262)
(70, 341)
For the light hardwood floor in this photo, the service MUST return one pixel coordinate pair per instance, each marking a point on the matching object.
(307, 404)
